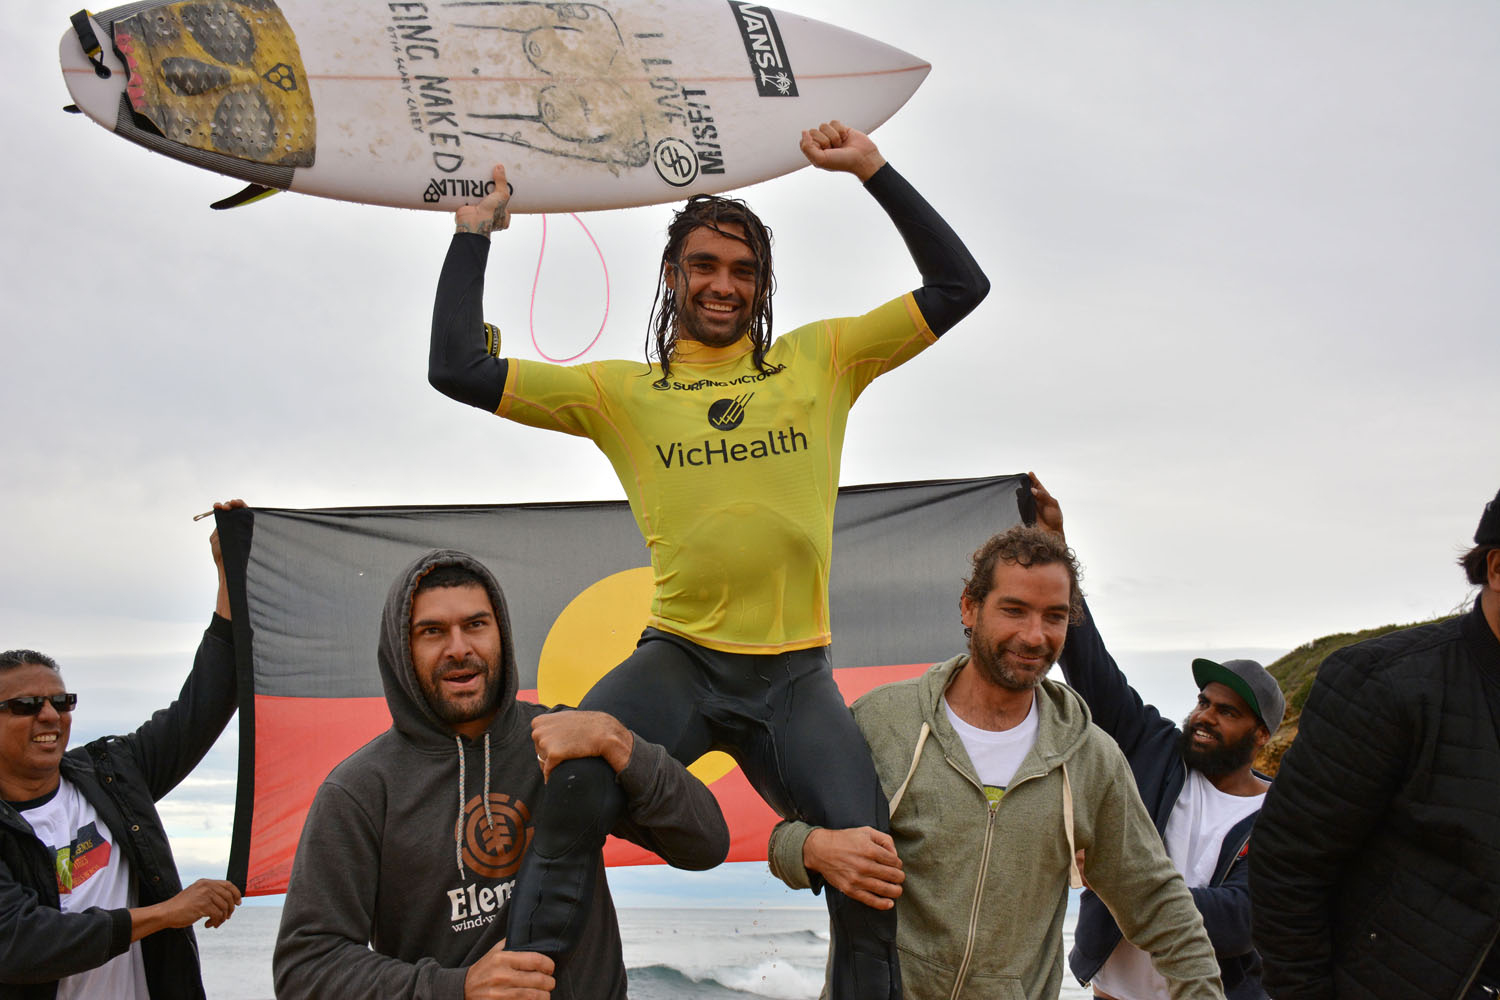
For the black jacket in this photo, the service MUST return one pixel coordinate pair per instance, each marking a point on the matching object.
(1150, 744)
(1377, 863)
(122, 777)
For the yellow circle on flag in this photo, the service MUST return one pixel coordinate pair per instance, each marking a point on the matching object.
(595, 633)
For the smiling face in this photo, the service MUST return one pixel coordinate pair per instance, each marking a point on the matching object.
(31, 746)
(1020, 626)
(1221, 734)
(714, 280)
(456, 651)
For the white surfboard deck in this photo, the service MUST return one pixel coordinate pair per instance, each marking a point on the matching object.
(597, 105)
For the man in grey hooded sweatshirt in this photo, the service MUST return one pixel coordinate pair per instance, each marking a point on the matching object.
(398, 891)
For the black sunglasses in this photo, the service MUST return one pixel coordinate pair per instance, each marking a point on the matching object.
(31, 704)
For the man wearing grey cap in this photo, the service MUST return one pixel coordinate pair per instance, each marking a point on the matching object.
(1377, 864)
(1199, 787)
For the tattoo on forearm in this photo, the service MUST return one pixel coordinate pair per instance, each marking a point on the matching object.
(482, 227)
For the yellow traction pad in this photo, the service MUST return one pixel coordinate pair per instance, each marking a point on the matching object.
(223, 76)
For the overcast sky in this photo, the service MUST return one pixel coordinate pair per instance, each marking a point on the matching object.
(1246, 279)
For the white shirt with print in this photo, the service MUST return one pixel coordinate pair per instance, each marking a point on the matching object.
(90, 872)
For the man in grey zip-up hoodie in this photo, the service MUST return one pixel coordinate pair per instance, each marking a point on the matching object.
(998, 782)
(409, 854)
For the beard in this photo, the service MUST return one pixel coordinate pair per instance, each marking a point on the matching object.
(454, 711)
(710, 329)
(1218, 760)
(994, 666)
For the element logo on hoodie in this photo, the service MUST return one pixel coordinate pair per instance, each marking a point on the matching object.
(495, 851)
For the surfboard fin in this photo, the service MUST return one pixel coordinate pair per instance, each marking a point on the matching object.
(252, 192)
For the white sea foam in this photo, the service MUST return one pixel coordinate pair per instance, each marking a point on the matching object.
(671, 954)
(776, 978)
(770, 953)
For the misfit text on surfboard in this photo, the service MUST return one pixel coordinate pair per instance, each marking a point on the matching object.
(613, 99)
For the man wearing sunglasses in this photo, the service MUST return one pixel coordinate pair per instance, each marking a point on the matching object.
(90, 901)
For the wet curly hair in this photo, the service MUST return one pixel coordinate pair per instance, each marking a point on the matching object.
(712, 212)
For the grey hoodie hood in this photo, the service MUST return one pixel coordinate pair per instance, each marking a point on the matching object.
(412, 716)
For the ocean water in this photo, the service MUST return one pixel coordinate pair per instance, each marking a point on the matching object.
(671, 954)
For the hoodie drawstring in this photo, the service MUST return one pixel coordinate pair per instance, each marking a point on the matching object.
(458, 828)
(915, 757)
(490, 820)
(484, 793)
(1075, 874)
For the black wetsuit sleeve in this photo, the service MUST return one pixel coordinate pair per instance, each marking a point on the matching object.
(458, 365)
(952, 283)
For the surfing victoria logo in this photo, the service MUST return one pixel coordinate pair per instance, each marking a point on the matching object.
(768, 61)
(727, 414)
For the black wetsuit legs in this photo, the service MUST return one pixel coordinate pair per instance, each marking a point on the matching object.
(782, 718)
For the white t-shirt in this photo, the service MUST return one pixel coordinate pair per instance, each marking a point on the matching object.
(90, 872)
(995, 755)
(1195, 836)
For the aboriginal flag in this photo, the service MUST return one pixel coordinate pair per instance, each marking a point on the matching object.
(307, 588)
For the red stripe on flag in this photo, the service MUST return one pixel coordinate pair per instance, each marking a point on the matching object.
(299, 740)
(750, 819)
(855, 681)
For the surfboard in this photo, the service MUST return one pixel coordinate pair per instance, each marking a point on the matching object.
(409, 103)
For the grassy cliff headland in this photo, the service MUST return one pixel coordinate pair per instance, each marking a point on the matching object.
(1295, 672)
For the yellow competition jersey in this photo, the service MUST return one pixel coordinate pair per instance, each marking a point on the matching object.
(732, 473)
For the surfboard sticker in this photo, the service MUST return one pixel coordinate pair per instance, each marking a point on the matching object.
(767, 53)
(223, 76)
(593, 105)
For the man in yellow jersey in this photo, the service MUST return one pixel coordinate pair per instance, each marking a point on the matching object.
(727, 444)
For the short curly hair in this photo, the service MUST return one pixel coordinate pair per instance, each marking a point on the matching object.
(1025, 545)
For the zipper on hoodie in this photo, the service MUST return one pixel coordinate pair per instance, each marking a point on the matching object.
(1234, 859)
(984, 866)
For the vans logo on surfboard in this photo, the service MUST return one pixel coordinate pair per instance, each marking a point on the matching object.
(768, 61)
